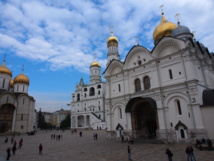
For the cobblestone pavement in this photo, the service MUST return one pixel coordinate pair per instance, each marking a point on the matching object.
(85, 148)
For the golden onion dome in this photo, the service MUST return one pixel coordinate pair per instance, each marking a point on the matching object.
(5, 70)
(95, 64)
(21, 79)
(165, 28)
(11, 83)
(112, 38)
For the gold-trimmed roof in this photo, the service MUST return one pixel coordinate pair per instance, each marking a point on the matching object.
(165, 28)
(95, 64)
(5, 70)
(22, 79)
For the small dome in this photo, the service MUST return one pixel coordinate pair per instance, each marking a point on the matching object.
(95, 64)
(180, 30)
(112, 38)
(21, 79)
(11, 83)
(5, 70)
(165, 28)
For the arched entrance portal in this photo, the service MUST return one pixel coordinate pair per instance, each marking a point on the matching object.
(6, 117)
(143, 116)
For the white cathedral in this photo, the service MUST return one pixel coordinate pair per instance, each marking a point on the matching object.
(17, 108)
(166, 93)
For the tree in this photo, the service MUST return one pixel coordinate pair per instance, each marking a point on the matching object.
(41, 120)
(66, 123)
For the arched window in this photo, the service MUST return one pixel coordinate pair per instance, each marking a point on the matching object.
(137, 85)
(178, 107)
(85, 89)
(146, 83)
(99, 86)
(78, 97)
(92, 91)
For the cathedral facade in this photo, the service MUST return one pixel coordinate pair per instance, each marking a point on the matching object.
(166, 93)
(17, 108)
(88, 102)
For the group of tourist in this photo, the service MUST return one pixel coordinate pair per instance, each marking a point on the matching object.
(202, 144)
(57, 137)
(14, 146)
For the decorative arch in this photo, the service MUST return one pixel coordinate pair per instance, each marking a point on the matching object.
(167, 46)
(121, 105)
(113, 68)
(172, 95)
(143, 99)
(180, 124)
(6, 117)
(119, 127)
(135, 55)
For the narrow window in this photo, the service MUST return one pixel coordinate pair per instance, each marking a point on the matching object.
(78, 97)
(18, 88)
(120, 111)
(137, 85)
(85, 94)
(23, 101)
(99, 92)
(146, 83)
(119, 87)
(179, 107)
(170, 74)
(3, 83)
(23, 88)
(7, 99)
(21, 116)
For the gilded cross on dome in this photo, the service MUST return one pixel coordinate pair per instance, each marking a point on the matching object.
(23, 68)
(137, 40)
(111, 30)
(95, 55)
(161, 7)
(177, 17)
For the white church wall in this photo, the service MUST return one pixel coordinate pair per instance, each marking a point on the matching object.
(4, 81)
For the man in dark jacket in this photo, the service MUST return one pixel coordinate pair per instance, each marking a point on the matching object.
(169, 154)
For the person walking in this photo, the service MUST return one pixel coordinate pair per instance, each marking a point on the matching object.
(8, 153)
(14, 149)
(169, 154)
(80, 133)
(129, 153)
(190, 154)
(122, 139)
(40, 149)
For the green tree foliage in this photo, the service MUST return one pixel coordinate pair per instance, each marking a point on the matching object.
(66, 123)
(41, 120)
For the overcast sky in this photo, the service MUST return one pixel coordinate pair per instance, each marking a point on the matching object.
(56, 40)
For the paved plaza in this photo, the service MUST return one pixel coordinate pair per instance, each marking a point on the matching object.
(85, 148)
